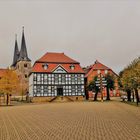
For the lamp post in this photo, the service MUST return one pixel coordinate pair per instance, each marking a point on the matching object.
(101, 82)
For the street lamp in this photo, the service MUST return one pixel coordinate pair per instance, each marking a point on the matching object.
(101, 84)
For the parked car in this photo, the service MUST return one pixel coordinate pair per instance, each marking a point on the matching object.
(123, 97)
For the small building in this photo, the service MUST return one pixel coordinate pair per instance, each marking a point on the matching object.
(94, 70)
(55, 75)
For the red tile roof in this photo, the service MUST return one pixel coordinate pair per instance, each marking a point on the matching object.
(54, 60)
(2, 72)
(97, 66)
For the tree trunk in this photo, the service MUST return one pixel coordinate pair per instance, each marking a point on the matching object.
(86, 89)
(22, 96)
(133, 95)
(27, 97)
(129, 95)
(7, 99)
(107, 94)
(137, 96)
(95, 97)
(87, 95)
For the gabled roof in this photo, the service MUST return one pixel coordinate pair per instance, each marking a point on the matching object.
(56, 58)
(59, 68)
(53, 60)
(97, 66)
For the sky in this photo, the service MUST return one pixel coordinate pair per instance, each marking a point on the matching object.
(85, 30)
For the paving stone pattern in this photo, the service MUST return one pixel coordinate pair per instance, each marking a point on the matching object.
(70, 121)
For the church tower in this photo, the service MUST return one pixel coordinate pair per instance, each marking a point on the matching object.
(21, 62)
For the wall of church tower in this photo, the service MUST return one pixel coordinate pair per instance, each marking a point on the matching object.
(23, 69)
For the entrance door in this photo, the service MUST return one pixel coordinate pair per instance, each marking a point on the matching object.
(59, 91)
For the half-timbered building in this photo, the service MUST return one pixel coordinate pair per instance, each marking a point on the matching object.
(55, 74)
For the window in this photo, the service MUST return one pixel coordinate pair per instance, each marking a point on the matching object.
(26, 76)
(98, 71)
(38, 78)
(73, 79)
(45, 79)
(35, 78)
(45, 66)
(72, 67)
(45, 89)
(56, 79)
(63, 79)
(79, 79)
(25, 65)
(106, 71)
(38, 89)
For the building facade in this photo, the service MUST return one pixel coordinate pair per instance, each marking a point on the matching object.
(94, 70)
(55, 74)
(22, 64)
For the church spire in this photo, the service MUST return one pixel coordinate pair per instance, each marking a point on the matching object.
(23, 51)
(16, 52)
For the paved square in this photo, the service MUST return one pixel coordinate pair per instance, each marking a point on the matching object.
(70, 121)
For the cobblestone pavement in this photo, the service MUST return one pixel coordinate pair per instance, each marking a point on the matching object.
(70, 121)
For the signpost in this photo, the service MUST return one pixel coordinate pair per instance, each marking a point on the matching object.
(101, 82)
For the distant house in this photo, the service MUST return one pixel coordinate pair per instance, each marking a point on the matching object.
(93, 70)
(55, 75)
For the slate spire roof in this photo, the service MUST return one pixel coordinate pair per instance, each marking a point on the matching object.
(16, 52)
(23, 52)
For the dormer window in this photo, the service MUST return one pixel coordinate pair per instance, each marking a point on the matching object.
(72, 67)
(45, 66)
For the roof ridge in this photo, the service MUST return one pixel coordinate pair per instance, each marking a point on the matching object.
(97, 62)
(54, 57)
(56, 52)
